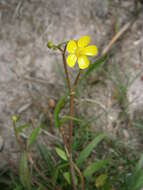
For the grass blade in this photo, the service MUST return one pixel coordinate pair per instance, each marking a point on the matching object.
(87, 151)
(24, 171)
(94, 66)
(94, 167)
(33, 136)
(57, 110)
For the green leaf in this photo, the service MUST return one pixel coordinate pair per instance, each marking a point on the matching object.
(58, 109)
(87, 151)
(94, 66)
(33, 136)
(66, 117)
(57, 170)
(46, 156)
(140, 163)
(41, 187)
(100, 181)
(139, 182)
(61, 154)
(137, 176)
(24, 171)
(67, 177)
(94, 167)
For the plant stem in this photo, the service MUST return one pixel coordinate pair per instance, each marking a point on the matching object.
(77, 78)
(80, 175)
(69, 156)
(66, 70)
(70, 131)
(71, 121)
(71, 91)
(18, 139)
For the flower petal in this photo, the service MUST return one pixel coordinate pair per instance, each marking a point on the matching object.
(90, 50)
(71, 46)
(83, 41)
(71, 60)
(83, 62)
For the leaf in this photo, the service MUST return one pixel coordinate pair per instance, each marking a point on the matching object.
(94, 167)
(137, 176)
(67, 177)
(33, 136)
(57, 170)
(139, 182)
(140, 163)
(46, 156)
(41, 187)
(24, 171)
(58, 109)
(100, 181)
(94, 66)
(87, 151)
(61, 154)
(66, 117)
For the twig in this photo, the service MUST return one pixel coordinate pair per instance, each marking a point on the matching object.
(116, 37)
(18, 7)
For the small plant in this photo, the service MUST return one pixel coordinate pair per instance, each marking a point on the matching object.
(72, 163)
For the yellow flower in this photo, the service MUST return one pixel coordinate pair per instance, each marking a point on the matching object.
(78, 52)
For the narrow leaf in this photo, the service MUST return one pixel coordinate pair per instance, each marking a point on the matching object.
(58, 109)
(46, 156)
(24, 171)
(66, 118)
(67, 177)
(87, 151)
(94, 66)
(61, 154)
(140, 164)
(94, 167)
(57, 170)
(100, 181)
(33, 136)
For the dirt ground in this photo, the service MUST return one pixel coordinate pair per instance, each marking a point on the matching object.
(29, 69)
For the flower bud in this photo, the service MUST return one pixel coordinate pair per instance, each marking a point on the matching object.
(14, 118)
(50, 45)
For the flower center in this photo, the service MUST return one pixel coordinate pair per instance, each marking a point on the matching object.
(79, 51)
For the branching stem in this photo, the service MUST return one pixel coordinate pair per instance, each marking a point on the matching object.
(68, 145)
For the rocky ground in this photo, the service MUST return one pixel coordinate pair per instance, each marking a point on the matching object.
(28, 69)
